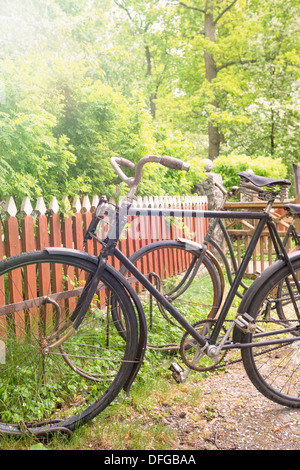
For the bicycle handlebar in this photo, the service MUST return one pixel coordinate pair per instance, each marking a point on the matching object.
(115, 162)
(167, 161)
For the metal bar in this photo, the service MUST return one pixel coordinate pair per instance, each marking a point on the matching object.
(260, 343)
(196, 213)
(237, 280)
(152, 289)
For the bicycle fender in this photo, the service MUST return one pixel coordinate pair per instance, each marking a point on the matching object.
(142, 344)
(73, 253)
(255, 287)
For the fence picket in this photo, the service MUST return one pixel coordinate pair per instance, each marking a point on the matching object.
(27, 229)
(67, 242)
(77, 234)
(28, 244)
(56, 240)
(12, 242)
(12, 247)
(87, 217)
(67, 230)
(43, 242)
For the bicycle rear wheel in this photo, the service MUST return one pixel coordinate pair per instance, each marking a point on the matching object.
(43, 389)
(192, 286)
(275, 368)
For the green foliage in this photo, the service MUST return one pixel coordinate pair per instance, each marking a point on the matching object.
(230, 165)
(159, 180)
(58, 134)
(38, 446)
(30, 155)
(81, 82)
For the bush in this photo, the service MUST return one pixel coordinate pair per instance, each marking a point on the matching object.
(230, 165)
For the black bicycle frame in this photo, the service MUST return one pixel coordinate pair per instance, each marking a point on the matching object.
(291, 233)
(264, 219)
(223, 256)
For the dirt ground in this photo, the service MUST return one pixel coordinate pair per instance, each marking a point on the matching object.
(233, 415)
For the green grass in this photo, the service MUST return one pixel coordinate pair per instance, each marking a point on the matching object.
(143, 421)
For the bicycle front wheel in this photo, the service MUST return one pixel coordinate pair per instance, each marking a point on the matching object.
(275, 368)
(191, 285)
(45, 388)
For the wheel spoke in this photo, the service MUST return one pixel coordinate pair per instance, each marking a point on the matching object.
(39, 384)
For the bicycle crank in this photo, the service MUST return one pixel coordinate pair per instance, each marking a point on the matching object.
(193, 355)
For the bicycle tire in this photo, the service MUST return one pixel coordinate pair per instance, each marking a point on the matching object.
(40, 392)
(274, 369)
(167, 263)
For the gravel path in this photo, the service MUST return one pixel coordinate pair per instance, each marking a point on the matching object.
(233, 415)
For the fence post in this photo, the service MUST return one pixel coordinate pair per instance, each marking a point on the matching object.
(42, 224)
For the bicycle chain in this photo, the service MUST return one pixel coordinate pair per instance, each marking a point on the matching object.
(229, 363)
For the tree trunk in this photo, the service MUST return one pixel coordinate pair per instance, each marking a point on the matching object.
(153, 96)
(214, 136)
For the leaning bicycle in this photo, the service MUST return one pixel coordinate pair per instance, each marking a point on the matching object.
(67, 356)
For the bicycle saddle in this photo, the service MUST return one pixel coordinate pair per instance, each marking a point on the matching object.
(292, 208)
(261, 181)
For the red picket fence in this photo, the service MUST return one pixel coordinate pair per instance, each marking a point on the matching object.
(40, 228)
(34, 229)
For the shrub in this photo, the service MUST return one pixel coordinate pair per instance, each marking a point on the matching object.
(230, 165)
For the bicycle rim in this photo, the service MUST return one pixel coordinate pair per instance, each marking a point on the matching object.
(275, 369)
(44, 389)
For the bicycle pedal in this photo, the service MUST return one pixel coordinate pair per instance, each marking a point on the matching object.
(177, 372)
(246, 323)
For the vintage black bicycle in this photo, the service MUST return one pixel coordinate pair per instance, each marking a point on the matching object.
(74, 334)
(191, 283)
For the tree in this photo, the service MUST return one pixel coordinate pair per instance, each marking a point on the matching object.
(212, 26)
(149, 29)
(272, 107)
(82, 81)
